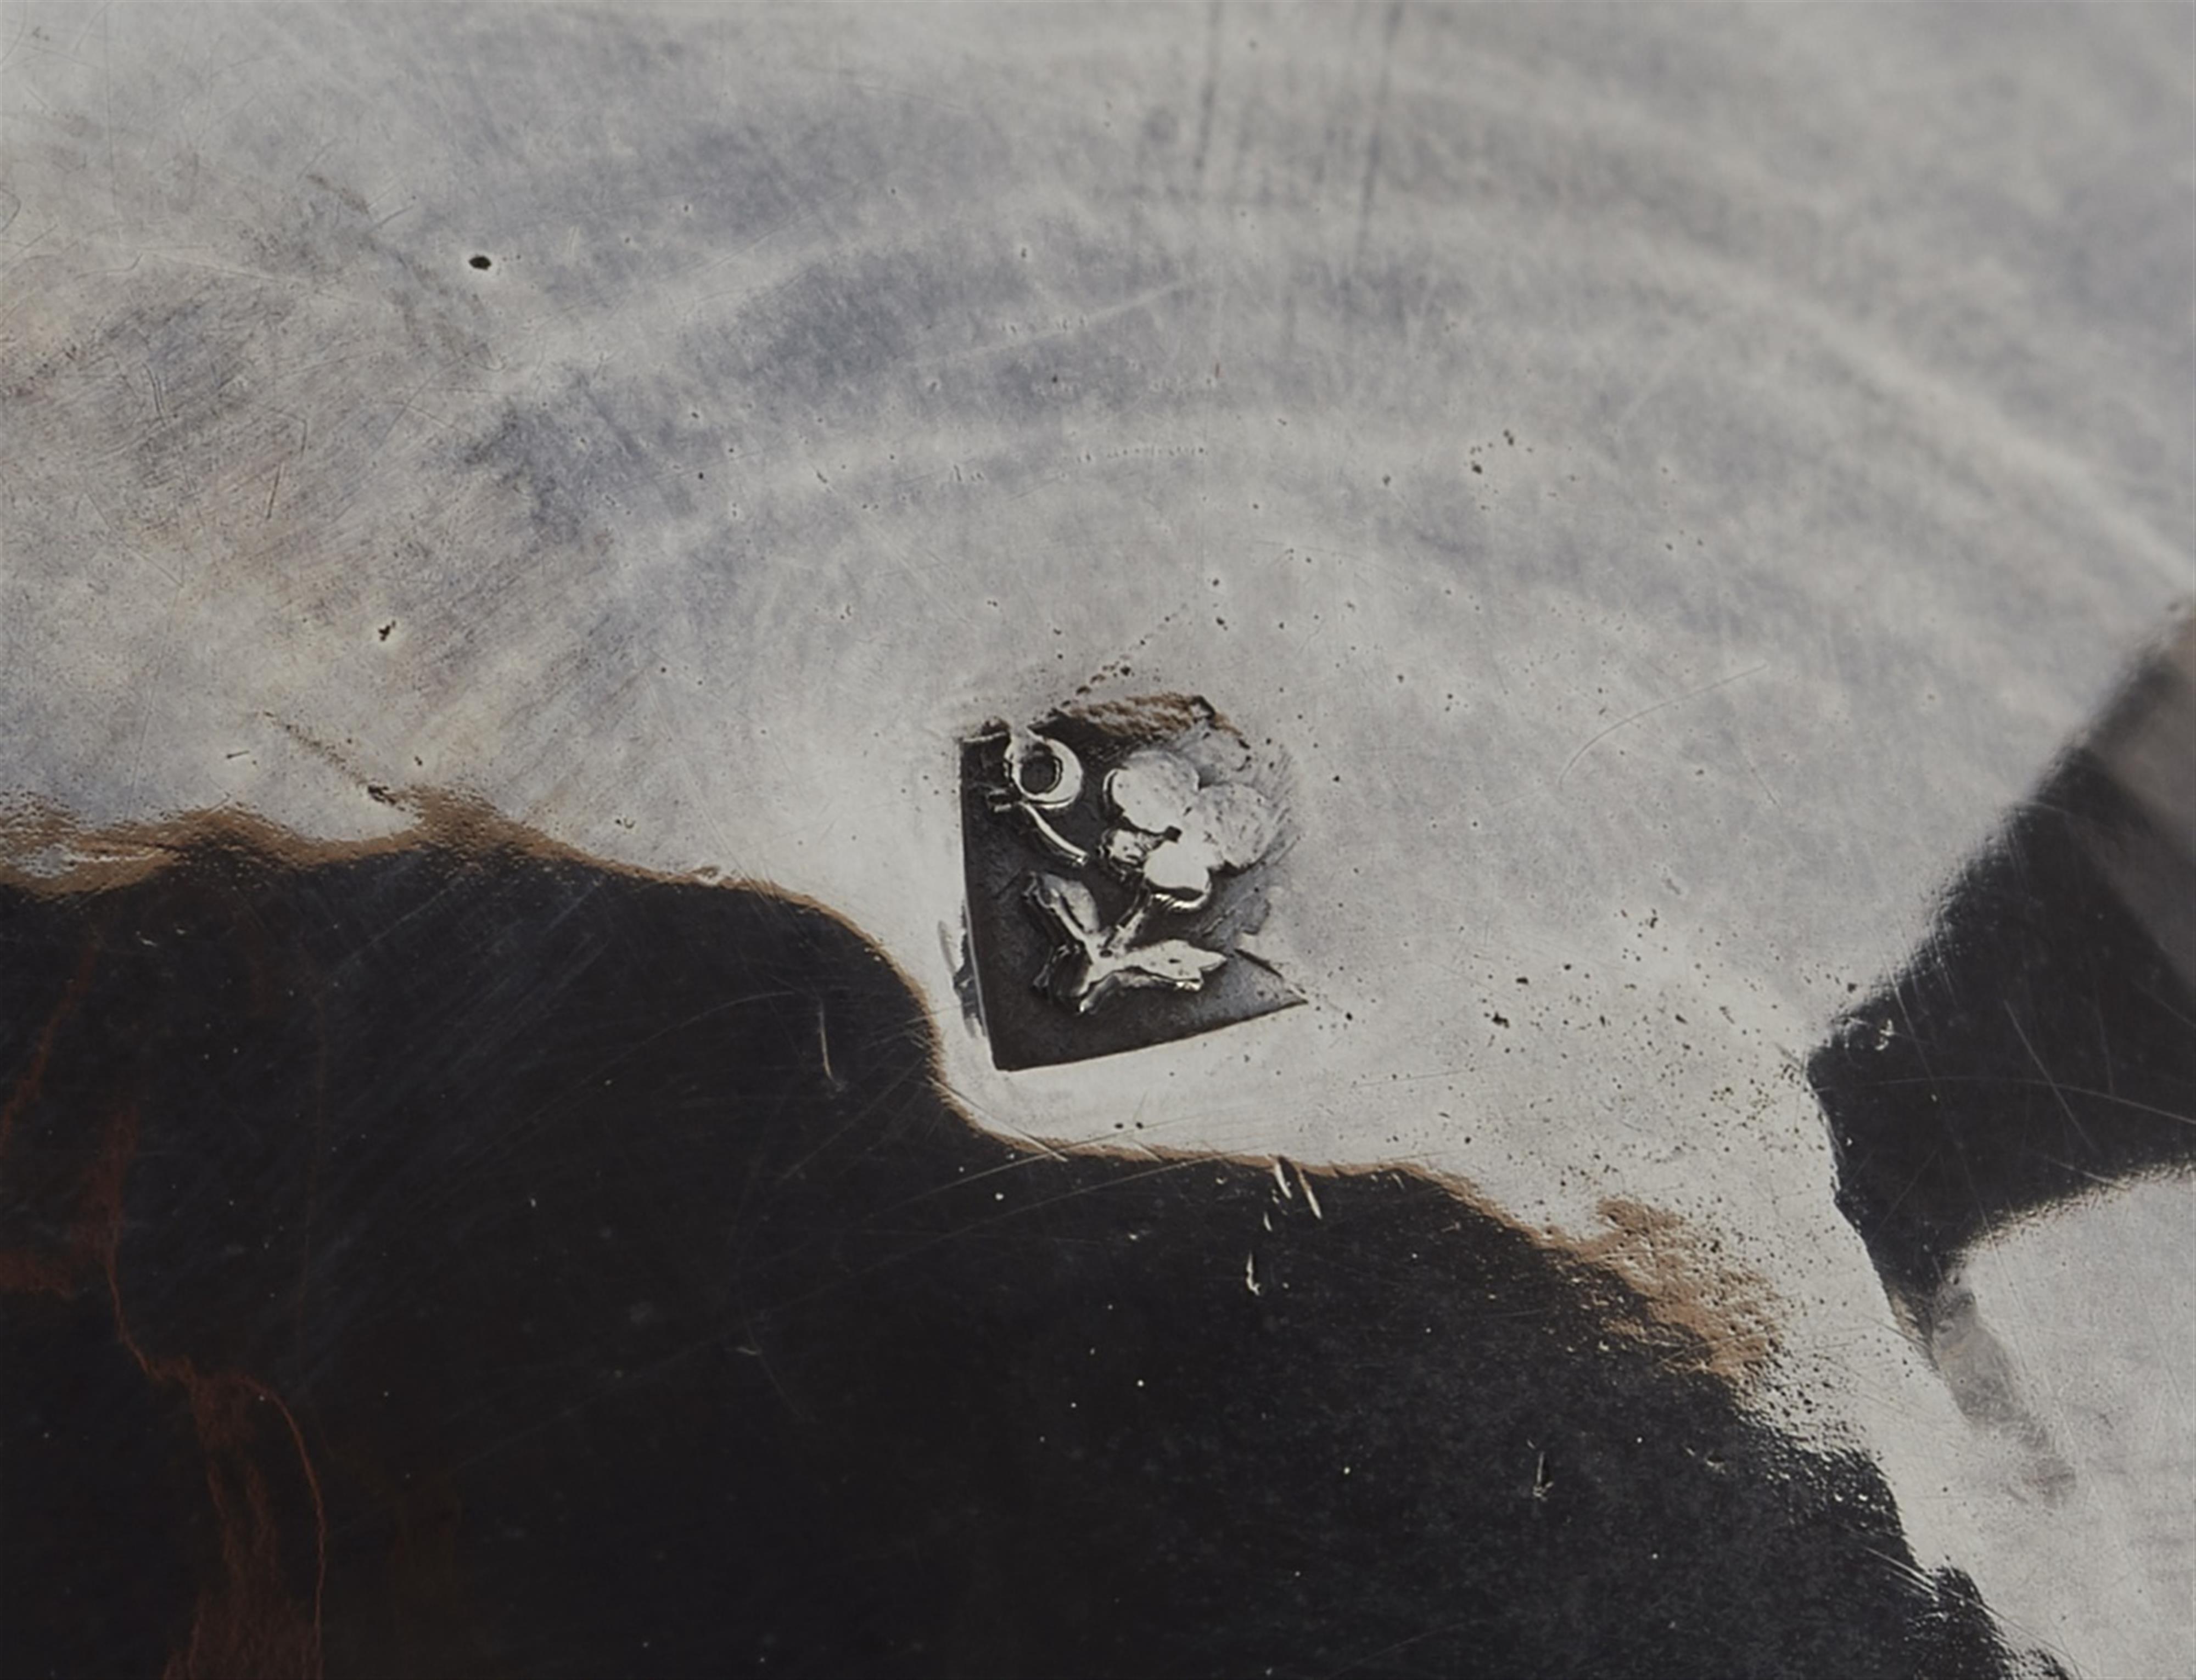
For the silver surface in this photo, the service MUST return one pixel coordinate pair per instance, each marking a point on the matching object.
(1668, 478)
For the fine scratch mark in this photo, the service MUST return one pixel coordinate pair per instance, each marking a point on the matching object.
(106, 84)
(1311, 1196)
(1751, 770)
(2058, 1095)
(1663, 368)
(1358, 1663)
(824, 1049)
(1380, 124)
(754, 1349)
(1250, 1275)
(1209, 92)
(1601, 736)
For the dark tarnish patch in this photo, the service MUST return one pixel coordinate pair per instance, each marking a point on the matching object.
(462, 1258)
(844, 322)
(2042, 1042)
(544, 463)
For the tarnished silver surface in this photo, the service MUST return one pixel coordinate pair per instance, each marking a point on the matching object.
(1667, 479)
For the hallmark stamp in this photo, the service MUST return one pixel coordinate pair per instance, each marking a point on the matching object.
(1117, 856)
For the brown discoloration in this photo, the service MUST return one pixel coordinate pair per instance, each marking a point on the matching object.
(251, 1617)
(1684, 1283)
(1654, 1278)
(45, 851)
(26, 1091)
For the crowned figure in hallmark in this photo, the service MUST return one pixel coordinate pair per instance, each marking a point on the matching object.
(1119, 855)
